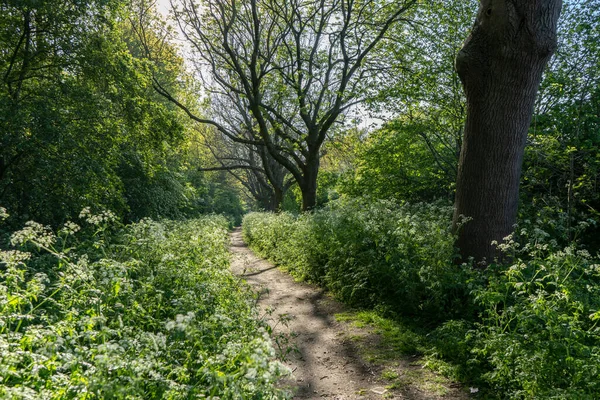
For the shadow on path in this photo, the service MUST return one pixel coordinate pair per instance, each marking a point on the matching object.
(262, 271)
(323, 353)
(324, 362)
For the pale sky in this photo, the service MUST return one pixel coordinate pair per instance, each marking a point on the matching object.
(163, 6)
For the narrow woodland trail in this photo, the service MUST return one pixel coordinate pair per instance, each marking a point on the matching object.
(326, 362)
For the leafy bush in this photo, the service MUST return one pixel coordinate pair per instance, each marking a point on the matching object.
(145, 311)
(398, 256)
(526, 330)
(537, 335)
(539, 331)
(405, 159)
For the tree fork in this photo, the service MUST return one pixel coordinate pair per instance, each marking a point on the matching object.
(500, 66)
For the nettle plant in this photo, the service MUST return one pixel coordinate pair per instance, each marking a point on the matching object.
(137, 312)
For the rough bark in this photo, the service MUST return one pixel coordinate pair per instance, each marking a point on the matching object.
(308, 186)
(277, 199)
(500, 67)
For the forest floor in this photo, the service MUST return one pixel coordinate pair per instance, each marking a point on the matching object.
(330, 352)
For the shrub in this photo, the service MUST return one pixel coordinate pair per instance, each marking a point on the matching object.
(367, 253)
(526, 330)
(145, 311)
(539, 331)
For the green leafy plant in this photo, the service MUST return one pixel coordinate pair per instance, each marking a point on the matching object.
(369, 253)
(525, 330)
(145, 311)
(539, 331)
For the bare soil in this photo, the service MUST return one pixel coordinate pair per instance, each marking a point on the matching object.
(324, 354)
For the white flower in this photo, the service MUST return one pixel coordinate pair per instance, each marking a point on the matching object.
(584, 253)
(70, 228)
(33, 232)
(98, 219)
(251, 374)
(85, 212)
(14, 257)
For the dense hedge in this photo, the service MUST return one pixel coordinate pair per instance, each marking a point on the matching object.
(146, 311)
(526, 330)
(369, 253)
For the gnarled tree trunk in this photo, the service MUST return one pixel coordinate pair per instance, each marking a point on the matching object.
(500, 66)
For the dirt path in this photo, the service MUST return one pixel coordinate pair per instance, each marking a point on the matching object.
(326, 362)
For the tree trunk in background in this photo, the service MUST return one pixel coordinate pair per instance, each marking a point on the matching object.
(278, 198)
(309, 198)
(500, 67)
(308, 186)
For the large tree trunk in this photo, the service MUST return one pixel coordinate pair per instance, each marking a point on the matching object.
(500, 66)
(267, 203)
(309, 198)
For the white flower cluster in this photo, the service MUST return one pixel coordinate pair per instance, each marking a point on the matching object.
(96, 337)
(508, 243)
(3, 214)
(583, 253)
(70, 228)
(98, 219)
(181, 322)
(33, 232)
(78, 272)
(14, 257)
(110, 273)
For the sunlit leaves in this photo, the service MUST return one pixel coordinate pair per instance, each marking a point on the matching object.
(136, 312)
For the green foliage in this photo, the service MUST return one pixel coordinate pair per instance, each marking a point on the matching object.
(539, 331)
(414, 156)
(562, 163)
(525, 330)
(396, 336)
(154, 194)
(537, 334)
(221, 198)
(326, 187)
(395, 162)
(49, 113)
(396, 256)
(145, 311)
(80, 121)
(427, 104)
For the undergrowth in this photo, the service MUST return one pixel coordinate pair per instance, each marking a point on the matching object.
(393, 256)
(525, 330)
(144, 311)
